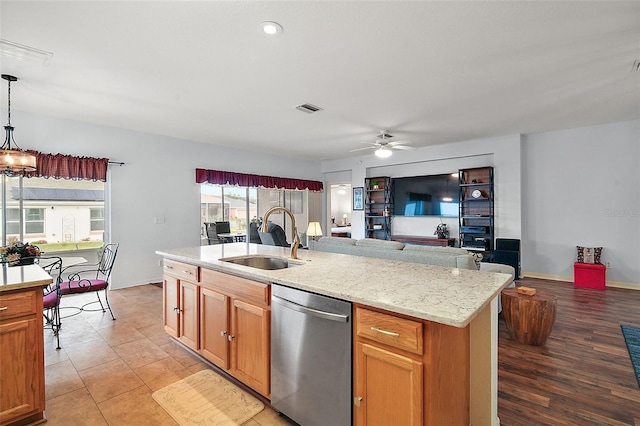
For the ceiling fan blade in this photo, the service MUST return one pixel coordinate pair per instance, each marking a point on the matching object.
(360, 149)
(407, 148)
(395, 143)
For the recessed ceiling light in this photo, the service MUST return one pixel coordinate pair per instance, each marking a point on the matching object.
(271, 28)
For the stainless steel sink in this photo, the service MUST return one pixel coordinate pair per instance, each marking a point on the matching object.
(262, 262)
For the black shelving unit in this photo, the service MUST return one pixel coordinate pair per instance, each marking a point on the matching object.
(378, 207)
(476, 198)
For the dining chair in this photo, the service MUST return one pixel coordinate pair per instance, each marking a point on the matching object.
(87, 278)
(51, 301)
(212, 235)
(223, 228)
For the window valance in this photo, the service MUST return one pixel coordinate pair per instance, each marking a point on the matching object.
(69, 167)
(219, 177)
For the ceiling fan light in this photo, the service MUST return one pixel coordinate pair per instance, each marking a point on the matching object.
(383, 152)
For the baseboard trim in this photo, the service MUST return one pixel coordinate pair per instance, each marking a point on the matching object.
(569, 279)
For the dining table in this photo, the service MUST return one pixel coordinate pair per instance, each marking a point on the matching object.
(237, 237)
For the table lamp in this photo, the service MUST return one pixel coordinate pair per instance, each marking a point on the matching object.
(344, 219)
(314, 230)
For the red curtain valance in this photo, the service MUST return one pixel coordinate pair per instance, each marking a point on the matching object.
(219, 177)
(69, 167)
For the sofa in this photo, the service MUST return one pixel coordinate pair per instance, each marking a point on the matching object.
(452, 257)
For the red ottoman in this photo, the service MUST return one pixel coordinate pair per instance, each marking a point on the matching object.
(589, 275)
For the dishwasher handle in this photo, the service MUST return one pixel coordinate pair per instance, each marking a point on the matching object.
(310, 311)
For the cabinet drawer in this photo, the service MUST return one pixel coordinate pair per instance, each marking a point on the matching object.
(16, 305)
(398, 332)
(237, 287)
(181, 270)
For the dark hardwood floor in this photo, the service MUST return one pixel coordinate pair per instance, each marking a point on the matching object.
(583, 374)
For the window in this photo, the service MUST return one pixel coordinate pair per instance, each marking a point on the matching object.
(240, 205)
(34, 221)
(57, 214)
(97, 219)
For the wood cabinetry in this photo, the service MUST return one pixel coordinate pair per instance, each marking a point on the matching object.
(22, 399)
(409, 371)
(181, 302)
(377, 207)
(476, 198)
(236, 327)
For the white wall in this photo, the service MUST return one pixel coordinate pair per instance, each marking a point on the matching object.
(581, 187)
(158, 180)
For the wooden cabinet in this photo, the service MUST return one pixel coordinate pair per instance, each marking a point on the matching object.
(409, 371)
(181, 302)
(215, 326)
(378, 207)
(236, 327)
(476, 219)
(22, 396)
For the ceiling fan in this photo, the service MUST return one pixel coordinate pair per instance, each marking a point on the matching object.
(383, 145)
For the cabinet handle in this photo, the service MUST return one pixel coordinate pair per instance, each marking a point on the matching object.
(230, 337)
(223, 333)
(4, 308)
(187, 272)
(168, 267)
(178, 310)
(357, 401)
(385, 332)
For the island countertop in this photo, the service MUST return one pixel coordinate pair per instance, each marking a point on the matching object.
(22, 277)
(448, 296)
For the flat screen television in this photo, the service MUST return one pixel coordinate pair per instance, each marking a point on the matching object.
(433, 195)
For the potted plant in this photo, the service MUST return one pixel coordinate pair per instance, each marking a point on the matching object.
(19, 253)
(374, 184)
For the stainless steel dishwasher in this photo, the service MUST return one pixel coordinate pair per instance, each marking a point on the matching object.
(311, 353)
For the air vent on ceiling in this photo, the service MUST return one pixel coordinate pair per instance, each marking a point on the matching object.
(308, 108)
(636, 65)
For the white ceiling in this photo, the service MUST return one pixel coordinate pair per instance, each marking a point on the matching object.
(430, 72)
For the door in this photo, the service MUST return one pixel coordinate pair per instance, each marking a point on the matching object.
(214, 327)
(189, 304)
(388, 388)
(171, 305)
(20, 371)
(250, 344)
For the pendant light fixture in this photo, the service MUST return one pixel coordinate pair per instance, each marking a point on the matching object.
(13, 160)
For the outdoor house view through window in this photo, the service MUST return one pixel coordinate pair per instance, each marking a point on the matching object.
(241, 206)
(54, 214)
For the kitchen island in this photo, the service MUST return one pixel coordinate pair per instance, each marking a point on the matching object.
(22, 398)
(444, 298)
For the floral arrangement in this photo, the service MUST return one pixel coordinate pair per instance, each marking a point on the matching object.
(14, 253)
(442, 231)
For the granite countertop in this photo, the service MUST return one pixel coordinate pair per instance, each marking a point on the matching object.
(449, 296)
(22, 277)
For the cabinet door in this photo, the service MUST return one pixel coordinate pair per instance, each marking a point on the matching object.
(214, 327)
(189, 309)
(250, 345)
(171, 305)
(20, 373)
(390, 388)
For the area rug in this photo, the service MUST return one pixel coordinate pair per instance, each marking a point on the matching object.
(206, 398)
(632, 338)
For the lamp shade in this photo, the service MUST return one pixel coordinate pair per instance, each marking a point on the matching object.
(314, 229)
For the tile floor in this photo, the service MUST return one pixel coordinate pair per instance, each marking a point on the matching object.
(107, 370)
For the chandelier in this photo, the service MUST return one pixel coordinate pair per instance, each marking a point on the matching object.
(13, 160)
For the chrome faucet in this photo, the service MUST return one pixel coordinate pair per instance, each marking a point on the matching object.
(294, 230)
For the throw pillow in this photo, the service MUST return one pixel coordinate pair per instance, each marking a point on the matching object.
(477, 257)
(589, 254)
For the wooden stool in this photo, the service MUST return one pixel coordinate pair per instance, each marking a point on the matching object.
(529, 319)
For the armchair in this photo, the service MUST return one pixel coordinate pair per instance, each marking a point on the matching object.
(91, 277)
(275, 236)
